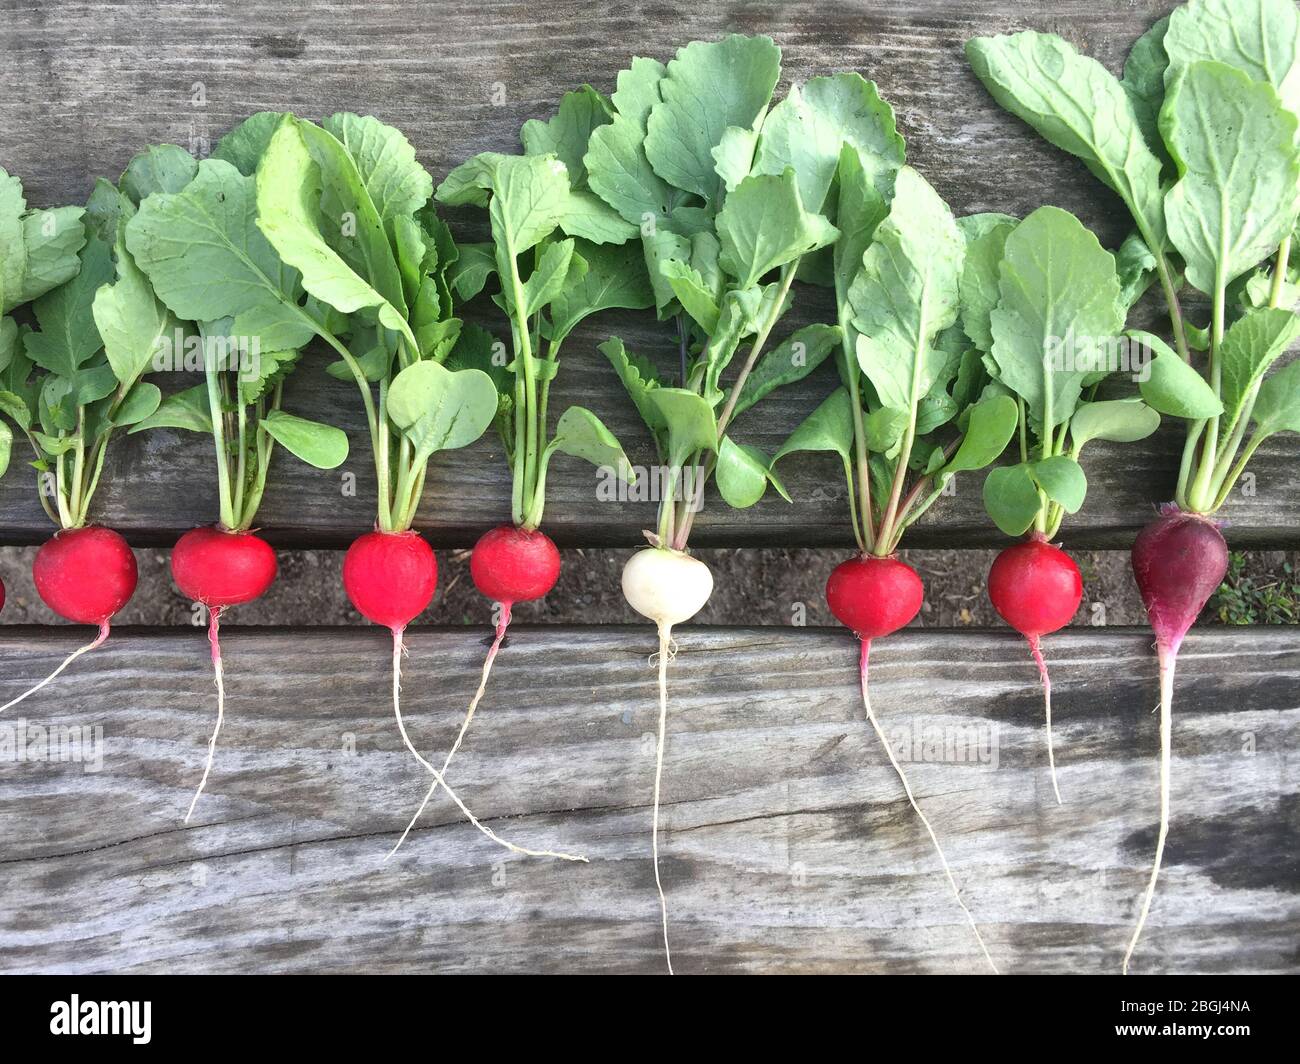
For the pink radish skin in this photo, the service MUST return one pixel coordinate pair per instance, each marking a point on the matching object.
(508, 565)
(1179, 561)
(220, 568)
(875, 597)
(1036, 588)
(85, 575)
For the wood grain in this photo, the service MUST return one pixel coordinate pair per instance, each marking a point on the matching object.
(84, 92)
(788, 846)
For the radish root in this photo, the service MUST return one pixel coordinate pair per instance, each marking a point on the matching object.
(665, 655)
(502, 625)
(398, 651)
(889, 752)
(99, 639)
(1037, 651)
(218, 677)
(1168, 658)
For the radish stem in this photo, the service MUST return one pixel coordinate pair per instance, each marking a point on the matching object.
(889, 752)
(103, 634)
(218, 676)
(398, 650)
(1036, 650)
(502, 625)
(1168, 658)
(665, 636)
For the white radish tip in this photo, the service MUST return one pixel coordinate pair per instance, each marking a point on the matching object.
(666, 586)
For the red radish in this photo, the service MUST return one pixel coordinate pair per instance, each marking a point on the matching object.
(85, 575)
(220, 568)
(1178, 561)
(875, 597)
(1036, 588)
(509, 564)
(391, 577)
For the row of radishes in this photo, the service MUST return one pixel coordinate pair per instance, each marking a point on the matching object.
(690, 191)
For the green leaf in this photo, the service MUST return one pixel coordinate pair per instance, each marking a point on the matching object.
(385, 161)
(38, 249)
(1116, 420)
(763, 226)
(619, 172)
(188, 410)
(788, 362)
(1250, 346)
(692, 293)
(992, 424)
(705, 89)
(1078, 105)
(15, 407)
(1144, 81)
(160, 168)
(1261, 38)
(6, 446)
(141, 402)
(639, 380)
(1011, 498)
(132, 321)
(980, 279)
(586, 215)
(582, 434)
(322, 446)
(1278, 407)
(883, 430)
(207, 259)
(741, 473)
(615, 277)
(808, 130)
(68, 341)
(907, 293)
(1173, 387)
(1062, 478)
(859, 209)
(690, 423)
(1239, 172)
(546, 281)
(1136, 268)
(1058, 308)
(301, 163)
(268, 368)
(469, 274)
(438, 409)
(734, 155)
(244, 145)
(828, 428)
(526, 196)
(566, 135)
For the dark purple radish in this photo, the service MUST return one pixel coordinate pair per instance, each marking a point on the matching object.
(1036, 588)
(1178, 562)
(875, 597)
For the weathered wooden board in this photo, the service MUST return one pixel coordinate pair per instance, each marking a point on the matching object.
(788, 845)
(86, 87)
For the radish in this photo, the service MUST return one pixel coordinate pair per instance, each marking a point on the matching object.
(67, 386)
(220, 568)
(1036, 588)
(380, 298)
(722, 264)
(85, 575)
(1224, 224)
(215, 282)
(897, 282)
(567, 281)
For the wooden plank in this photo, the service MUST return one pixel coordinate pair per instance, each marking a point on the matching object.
(83, 95)
(788, 846)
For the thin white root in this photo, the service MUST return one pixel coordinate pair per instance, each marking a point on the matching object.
(99, 639)
(889, 752)
(1037, 651)
(218, 676)
(1168, 659)
(502, 625)
(665, 637)
(397, 710)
